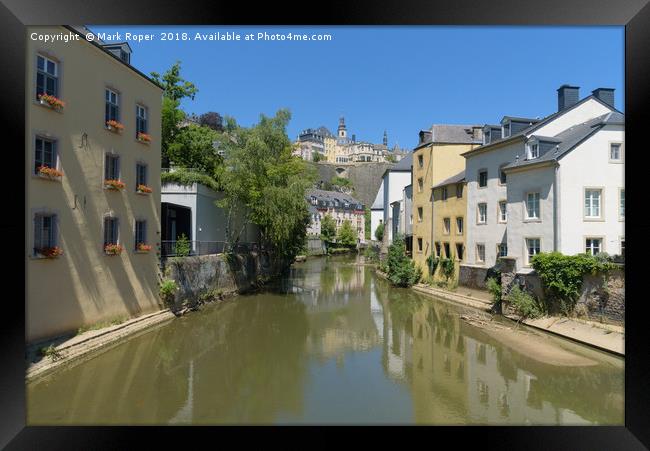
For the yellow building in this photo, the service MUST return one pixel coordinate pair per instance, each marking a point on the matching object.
(437, 157)
(449, 208)
(93, 183)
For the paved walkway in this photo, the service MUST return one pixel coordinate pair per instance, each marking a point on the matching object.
(81, 346)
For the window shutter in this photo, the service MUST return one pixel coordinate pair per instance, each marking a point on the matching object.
(117, 167)
(37, 231)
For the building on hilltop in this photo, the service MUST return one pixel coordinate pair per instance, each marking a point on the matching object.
(341, 207)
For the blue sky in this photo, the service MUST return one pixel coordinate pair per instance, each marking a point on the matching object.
(399, 79)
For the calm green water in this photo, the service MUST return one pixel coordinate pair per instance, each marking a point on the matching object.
(333, 344)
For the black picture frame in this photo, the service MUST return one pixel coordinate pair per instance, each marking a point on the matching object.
(15, 15)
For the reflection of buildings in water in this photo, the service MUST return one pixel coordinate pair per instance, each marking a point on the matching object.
(376, 310)
(184, 414)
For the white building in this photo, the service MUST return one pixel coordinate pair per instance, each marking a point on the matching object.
(550, 184)
(394, 181)
(377, 211)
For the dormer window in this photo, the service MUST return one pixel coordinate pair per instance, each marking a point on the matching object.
(534, 151)
(486, 136)
(506, 130)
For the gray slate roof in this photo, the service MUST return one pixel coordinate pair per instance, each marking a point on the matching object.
(453, 133)
(571, 138)
(379, 200)
(403, 165)
(321, 194)
(460, 177)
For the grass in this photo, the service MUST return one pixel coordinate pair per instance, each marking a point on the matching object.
(102, 324)
(51, 352)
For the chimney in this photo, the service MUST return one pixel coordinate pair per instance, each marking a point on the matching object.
(567, 96)
(354, 138)
(605, 95)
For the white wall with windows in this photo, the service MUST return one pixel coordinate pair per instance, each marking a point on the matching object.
(394, 184)
(592, 193)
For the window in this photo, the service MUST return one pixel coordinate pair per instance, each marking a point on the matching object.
(482, 213)
(140, 174)
(140, 120)
(446, 225)
(420, 185)
(419, 244)
(502, 250)
(459, 226)
(480, 253)
(534, 151)
(482, 178)
(140, 233)
(623, 247)
(44, 153)
(111, 230)
(502, 175)
(592, 203)
(444, 193)
(112, 167)
(459, 251)
(593, 245)
(44, 232)
(621, 203)
(438, 249)
(503, 211)
(124, 56)
(506, 130)
(615, 152)
(532, 206)
(112, 106)
(459, 190)
(420, 161)
(419, 214)
(47, 77)
(447, 251)
(532, 246)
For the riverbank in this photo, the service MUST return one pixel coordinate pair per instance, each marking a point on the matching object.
(65, 351)
(605, 337)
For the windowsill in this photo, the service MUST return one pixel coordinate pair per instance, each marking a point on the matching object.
(113, 130)
(532, 220)
(111, 255)
(593, 219)
(42, 257)
(141, 252)
(48, 178)
(142, 141)
(481, 223)
(616, 161)
(48, 106)
(142, 193)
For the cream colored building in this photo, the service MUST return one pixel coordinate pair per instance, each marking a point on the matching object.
(76, 212)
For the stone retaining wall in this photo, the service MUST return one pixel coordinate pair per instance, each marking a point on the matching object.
(472, 277)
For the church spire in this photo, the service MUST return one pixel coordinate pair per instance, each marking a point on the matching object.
(385, 138)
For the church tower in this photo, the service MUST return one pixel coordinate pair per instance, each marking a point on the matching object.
(343, 132)
(385, 139)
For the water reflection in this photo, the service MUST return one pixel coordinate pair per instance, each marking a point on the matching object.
(332, 344)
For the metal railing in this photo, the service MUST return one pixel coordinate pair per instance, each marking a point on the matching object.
(168, 248)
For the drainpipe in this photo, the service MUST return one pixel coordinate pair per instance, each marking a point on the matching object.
(556, 225)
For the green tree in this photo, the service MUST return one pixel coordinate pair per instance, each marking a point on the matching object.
(328, 229)
(193, 147)
(342, 182)
(171, 117)
(175, 87)
(402, 271)
(379, 232)
(316, 157)
(347, 236)
(367, 218)
(267, 184)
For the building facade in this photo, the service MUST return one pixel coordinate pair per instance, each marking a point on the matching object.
(555, 185)
(394, 181)
(341, 207)
(93, 184)
(437, 157)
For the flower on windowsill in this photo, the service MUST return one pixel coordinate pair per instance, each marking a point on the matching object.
(114, 184)
(143, 247)
(49, 172)
(113, 249)
(114, 126)
(52, 101)
(144, 137)
(50, 252)
(144, 189)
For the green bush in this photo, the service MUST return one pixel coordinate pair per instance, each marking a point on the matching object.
(562, 275)
(402, 271)
(51, 352)
(524, 304)
(447, 268)
(379, 232)
(182, 246)
(371, 254)
(168, 288)
(494, 287)
(432, 263)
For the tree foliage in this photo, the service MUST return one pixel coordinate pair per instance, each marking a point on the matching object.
(261, 174)
(347, 236)
(367, 222)
(402, 271)
(379, 232)
(328, 229)
(193, 147)
(212, 120)
(175, 87)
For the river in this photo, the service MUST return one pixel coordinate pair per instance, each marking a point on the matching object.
(334, 344)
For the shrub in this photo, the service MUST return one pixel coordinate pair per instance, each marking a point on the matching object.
(168, 288)
(447, 268)
(182, 246)
(379, 232)
(402, 271)
(562, 275)
(432, 263)
(371, 254)
(51, 352)
(524, 304)
(494, 287)
(347, 236)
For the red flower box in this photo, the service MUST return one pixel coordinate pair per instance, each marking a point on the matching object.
(49, 172)
(143, 247)
(144, 189)
(144, 137)
(51, 101)
(113, 249)
(114, 184)
(114, 126)
(50, 252)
